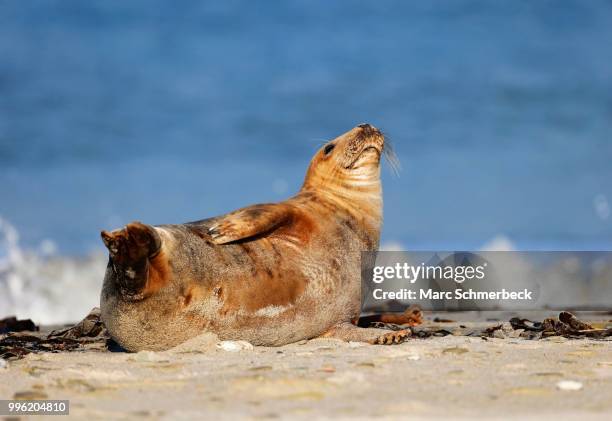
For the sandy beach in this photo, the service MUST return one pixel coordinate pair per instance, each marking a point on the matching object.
(467, 377)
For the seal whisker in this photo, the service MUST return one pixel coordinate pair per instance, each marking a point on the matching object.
(391, 156)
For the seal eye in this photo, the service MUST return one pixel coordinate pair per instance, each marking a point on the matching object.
(329, 148)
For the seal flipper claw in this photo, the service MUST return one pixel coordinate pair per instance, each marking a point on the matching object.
(374, 336)
(249, 222)
(132, 243)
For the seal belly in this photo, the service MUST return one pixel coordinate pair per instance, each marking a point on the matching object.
(287, 293)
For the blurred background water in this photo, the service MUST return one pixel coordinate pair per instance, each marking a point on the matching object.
(164, 112)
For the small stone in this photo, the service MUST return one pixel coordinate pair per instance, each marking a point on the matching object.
(235, 346)
(328, 369)
(3, 364)
(569, 385)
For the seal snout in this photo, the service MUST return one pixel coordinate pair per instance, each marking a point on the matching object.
(368, 129)
(369, 137)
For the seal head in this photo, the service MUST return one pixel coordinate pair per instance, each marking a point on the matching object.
(351, 157)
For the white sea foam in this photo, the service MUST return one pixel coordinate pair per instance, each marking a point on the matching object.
(45, 287)
(499, 243)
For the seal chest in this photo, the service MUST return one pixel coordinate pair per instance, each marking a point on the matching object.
(270, 273)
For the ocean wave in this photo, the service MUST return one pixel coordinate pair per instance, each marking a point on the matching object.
(47, 288)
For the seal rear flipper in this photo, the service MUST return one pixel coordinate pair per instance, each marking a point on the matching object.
(132, 249)
(412, 316)
(349, 332)
(249, 222)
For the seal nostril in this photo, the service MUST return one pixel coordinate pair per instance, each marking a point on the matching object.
(365, 126)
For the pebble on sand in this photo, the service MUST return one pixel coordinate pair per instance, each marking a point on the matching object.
(569, 385)
(235, 346)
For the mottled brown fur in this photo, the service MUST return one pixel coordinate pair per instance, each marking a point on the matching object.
(270, 274)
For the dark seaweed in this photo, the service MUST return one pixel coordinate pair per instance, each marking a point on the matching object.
(89, 334)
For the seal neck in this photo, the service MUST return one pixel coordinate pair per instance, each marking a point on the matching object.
(363, 200)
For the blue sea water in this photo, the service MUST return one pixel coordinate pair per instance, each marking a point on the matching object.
(164, 112)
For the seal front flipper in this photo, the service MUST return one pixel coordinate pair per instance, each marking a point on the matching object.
(134, 259)
(249, 222)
